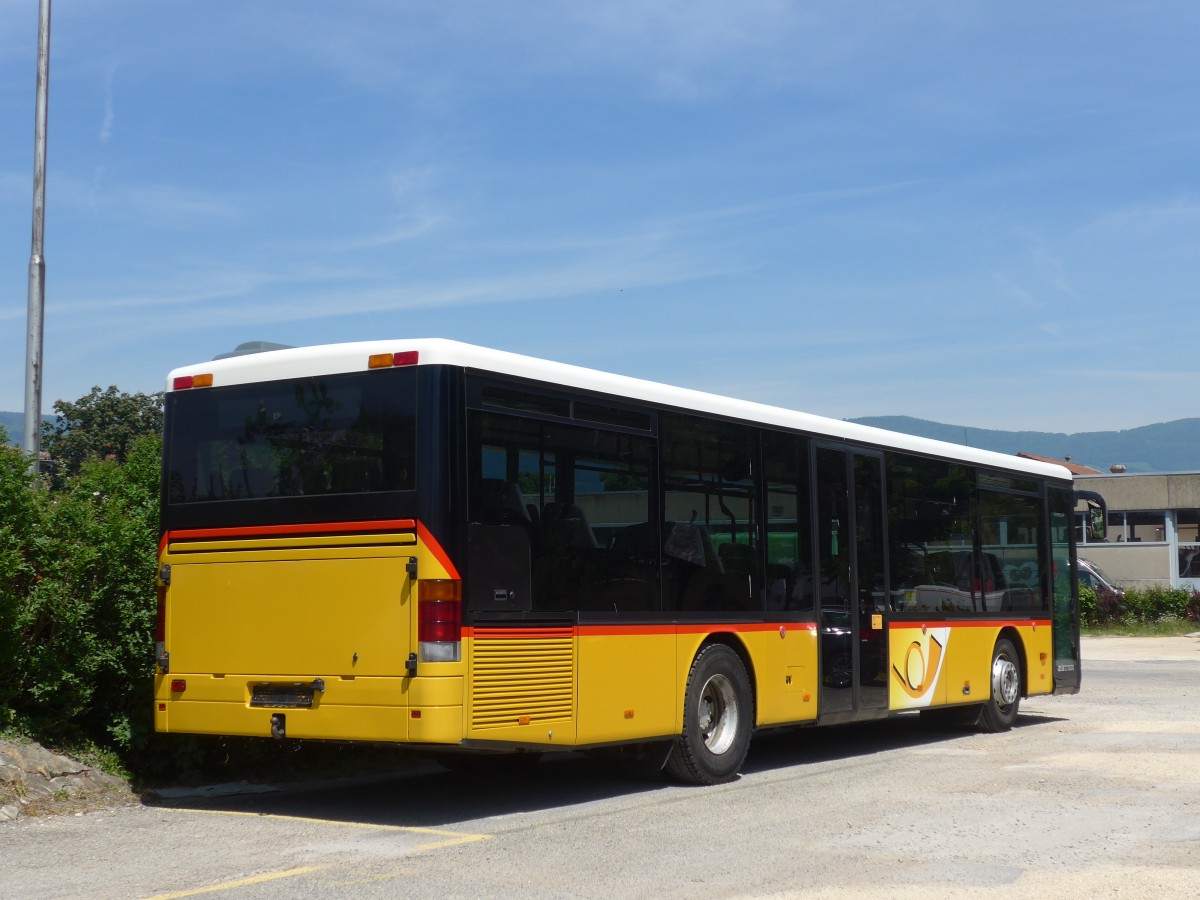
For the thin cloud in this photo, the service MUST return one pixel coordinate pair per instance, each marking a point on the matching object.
(403, 231)
(1144, 222)
(261, 297)
(106, 126)
(177, 205)
(1015, 294)
(145, 202)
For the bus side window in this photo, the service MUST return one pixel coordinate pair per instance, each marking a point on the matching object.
(935, 566)
(581, 495)
(789, 531)
(499, 532)
(711, 542)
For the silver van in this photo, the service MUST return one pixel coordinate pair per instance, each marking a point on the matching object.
(1090, 575)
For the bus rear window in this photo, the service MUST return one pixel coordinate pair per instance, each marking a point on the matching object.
(339, 434)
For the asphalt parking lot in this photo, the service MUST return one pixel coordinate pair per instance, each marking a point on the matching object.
(1096, 794)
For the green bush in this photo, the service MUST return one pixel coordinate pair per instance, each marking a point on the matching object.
(19, 521)
(77, 609)
(1139, 606)
(78, 581)
(1087, 605)
(1155, 603)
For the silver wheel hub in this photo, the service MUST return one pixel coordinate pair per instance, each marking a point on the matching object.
(718, 714)
(1006, 685)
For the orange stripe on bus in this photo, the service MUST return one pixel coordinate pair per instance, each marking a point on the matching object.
(249, 531)
(525, 633)
(968, 623)
(604, 629)
(309, 528)
(435, 549)
(661, 628)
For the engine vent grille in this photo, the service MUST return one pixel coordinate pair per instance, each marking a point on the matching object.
(522, 676)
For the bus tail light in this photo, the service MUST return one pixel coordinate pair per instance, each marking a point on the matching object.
(160, 630)
(439, 621)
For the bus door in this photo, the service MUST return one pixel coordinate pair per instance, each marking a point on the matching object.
(852, 583)
(1064, 574)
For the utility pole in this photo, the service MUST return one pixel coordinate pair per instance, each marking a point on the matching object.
(32, 437)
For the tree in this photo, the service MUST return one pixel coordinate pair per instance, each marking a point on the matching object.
(18, 527)
(102, 425)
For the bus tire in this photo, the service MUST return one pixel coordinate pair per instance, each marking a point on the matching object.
(1000, 711)
(718, 713)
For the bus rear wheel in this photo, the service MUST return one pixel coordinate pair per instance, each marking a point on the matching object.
(718, 713)
(1000, 711)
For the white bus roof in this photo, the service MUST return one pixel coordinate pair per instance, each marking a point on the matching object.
(332, 359)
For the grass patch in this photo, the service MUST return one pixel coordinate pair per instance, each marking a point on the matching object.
(1165, 627)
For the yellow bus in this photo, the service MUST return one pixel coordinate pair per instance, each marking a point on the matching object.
(459, 549)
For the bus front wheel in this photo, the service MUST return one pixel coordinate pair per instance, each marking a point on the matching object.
(1000, 711)
(718, 714)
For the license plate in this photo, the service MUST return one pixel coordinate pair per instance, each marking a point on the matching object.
(282, 696)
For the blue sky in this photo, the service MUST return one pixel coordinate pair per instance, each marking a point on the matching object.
(979, 213)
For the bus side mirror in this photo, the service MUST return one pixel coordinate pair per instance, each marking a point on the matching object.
(1097, 527)
(1095, 516)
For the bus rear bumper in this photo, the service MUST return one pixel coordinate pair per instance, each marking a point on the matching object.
(393, 710)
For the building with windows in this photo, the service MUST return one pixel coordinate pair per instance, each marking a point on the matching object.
(1153, 533)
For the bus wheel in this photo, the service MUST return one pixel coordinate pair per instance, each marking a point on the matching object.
(1000, 712)
(717, 716)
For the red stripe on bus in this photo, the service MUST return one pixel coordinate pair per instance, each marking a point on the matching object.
(706, 628)
(484, 634)
(970, 623)
(604, 629)
(618, 630)
(310, 528)
(435, 549)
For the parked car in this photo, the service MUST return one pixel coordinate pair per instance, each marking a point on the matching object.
(1090, 575)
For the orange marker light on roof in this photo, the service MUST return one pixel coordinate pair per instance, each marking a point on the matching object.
(183, 382)
(387, 360)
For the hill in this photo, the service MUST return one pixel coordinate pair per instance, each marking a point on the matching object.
(1164, 447)
(14, 424)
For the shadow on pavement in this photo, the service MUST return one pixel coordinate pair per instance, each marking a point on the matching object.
(426, 796)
